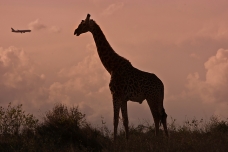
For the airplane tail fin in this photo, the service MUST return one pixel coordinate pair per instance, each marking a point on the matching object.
(12, 29)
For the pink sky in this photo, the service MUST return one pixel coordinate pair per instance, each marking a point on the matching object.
(185, 43)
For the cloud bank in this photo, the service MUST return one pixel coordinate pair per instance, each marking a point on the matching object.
(214, 87)
(207, 96)
(85, 85)
(18, 81)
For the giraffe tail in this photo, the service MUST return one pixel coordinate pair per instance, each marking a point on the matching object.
(163, 117)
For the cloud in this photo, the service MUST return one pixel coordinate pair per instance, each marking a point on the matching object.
(85, 85)
(16, 69)
(112, 8)
(36, 25)
(18, 81)
(89, 74)
(209, 94)
(203, 96)
(214, 87)
(217, 69)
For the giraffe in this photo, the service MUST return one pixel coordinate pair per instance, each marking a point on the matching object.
(127, 82)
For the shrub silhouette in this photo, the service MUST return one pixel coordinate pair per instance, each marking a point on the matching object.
(66, 129)
(16, 128)
(13, 120)
(61, 129)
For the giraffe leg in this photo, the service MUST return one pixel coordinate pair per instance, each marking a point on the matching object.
(164, 122)
(163, 114)
(154, 108)
(156, 121)
(116, 106)
(125, 118)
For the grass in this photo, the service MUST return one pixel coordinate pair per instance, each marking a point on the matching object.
(66, 129)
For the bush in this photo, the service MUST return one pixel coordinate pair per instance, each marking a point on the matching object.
(63, 128)
(66, 129)
(217, 126)
(16, 128)
(13, 120)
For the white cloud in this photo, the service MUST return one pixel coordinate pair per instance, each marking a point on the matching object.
(113, 8)
(18, 81)
(36, 25)
(210, 93)
(203, 97)
(217, 66)
(85, 85)
(88, 75)
(214, 87)
(16, 68)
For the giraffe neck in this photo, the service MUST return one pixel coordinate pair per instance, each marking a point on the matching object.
(109, 58)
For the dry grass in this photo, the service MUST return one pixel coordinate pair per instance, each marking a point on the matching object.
(66, 129)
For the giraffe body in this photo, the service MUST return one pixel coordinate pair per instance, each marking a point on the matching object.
(134, 84)
(127, 82)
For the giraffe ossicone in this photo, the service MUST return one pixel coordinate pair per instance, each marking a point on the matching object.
(127, 82)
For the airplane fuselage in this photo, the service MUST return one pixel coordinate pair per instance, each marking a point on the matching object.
(20, 31)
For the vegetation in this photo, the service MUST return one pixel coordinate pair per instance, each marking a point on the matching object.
(66, 129)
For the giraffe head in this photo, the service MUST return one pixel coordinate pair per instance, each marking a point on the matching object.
(83, 27)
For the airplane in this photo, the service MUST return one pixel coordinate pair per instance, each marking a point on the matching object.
(20, 31)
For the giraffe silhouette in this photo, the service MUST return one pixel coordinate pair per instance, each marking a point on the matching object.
(127, 82)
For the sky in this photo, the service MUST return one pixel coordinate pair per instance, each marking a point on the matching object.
(185, 43)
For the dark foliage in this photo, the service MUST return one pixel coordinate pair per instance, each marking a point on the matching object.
(62, 129)
(66, 129)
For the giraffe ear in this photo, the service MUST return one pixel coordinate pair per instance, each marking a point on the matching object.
(87, 18)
